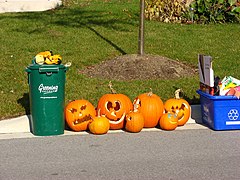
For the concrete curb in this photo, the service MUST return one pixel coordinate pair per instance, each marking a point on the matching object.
(19, 127)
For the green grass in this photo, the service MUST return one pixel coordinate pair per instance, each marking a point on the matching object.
(89, 32)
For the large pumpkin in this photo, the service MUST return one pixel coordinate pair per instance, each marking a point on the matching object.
(134, 122)
(114, 106)
(178, 106)
(78, 114)
(99, 125)
(168, 121)
(151, 107)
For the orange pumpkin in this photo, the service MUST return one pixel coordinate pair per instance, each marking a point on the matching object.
(134, 122)
(99, 125)
(78, 114)
(114, 106)
(151, 107)
(168, 121)
(180, 107)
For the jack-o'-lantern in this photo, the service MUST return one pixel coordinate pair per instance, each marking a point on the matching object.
(78, 114)
(99, 125)
(134, 122)
(180, 107)
(114, 106)
(168, 121)
(151, 107)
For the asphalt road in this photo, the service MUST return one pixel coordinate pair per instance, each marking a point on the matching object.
(186, 154)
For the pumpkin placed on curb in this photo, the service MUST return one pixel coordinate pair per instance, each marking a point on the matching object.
(78, 114)
(114, 106)
(99, 125)
(168, 121)
(134, 122)
(180, 107)
(151, 107)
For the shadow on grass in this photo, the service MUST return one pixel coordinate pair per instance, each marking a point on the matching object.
(25, 103)
(77, 18)
(108, 41)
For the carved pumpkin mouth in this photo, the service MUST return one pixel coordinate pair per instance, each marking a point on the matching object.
(83, 119)
(180, 112)
(119, 120)
(173, 122)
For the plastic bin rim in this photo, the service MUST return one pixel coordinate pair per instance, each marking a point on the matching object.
(37, 66)
(216, 97)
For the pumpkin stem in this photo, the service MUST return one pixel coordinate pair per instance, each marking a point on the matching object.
(177, 93)
(150, 93)
(111, 88)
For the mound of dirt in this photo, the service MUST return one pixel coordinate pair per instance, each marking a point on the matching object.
(136, 67)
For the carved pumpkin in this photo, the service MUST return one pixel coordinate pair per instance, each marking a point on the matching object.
(168, 121)
(78, 114)
(134, 122)
(114, 106)
(151, 107)
(180, 107)
(99, 125)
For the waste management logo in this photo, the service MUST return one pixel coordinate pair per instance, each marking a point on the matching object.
(47, 89)
(233, 116)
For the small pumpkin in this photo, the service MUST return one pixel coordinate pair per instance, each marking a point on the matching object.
(180, 107)
(134, 122)
(151, 107)
(78, 114)
(168, 121)
(114, 106)
(99, 125)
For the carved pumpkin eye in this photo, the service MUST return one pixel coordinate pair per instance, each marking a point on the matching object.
(73, 110)
(117, 107)
(110, 106)
(183, 106)
(83, 107)
(170, 115)
(139, 103)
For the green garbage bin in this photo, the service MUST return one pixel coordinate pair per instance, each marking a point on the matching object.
(47, 98)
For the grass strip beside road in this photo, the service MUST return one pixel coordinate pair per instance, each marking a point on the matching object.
(89, 32)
